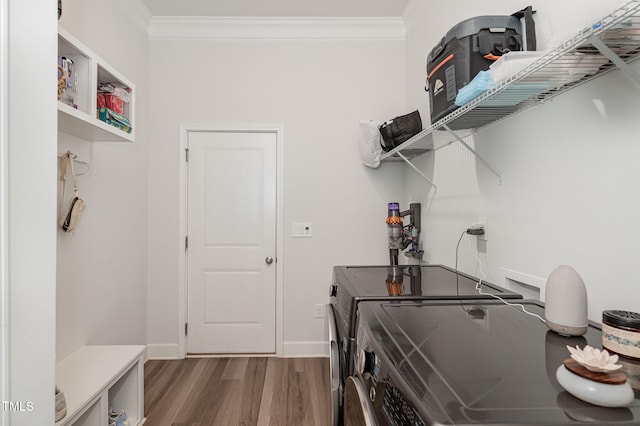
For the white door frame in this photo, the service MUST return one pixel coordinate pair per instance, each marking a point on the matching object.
(4, 212)
(185, 129)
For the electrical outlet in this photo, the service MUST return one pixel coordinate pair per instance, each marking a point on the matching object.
(482, 223)
(319, 310)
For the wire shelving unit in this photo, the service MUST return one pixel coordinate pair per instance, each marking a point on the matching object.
(610, 43)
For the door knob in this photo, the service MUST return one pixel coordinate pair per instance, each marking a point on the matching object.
(268, 260)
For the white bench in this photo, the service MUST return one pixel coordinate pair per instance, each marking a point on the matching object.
(97, 378)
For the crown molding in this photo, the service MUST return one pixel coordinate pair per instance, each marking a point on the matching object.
(229, 28)
(137, 12)
(410, 14)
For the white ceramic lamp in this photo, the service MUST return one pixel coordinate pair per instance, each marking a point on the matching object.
(566, 302)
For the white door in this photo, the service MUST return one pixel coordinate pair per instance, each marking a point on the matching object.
(231, 228)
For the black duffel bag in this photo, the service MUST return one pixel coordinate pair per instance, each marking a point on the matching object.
(400, 129)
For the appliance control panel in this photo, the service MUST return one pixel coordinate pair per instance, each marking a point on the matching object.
(396, 408)
(388, 400)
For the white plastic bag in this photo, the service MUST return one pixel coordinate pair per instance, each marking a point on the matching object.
(370, 147)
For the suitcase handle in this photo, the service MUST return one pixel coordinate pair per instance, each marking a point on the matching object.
(507, 44)
(437, 50)
(529, 26)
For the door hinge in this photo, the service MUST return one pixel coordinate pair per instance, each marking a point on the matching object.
(186, 328)
(186, 155)
(186, 242)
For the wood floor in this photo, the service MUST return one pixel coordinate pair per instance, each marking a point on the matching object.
(237, 391)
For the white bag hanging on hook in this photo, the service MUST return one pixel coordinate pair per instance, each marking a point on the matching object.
(370, 147)
(71, 215)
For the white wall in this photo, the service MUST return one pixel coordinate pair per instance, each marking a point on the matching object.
(569, 189)
(101, 282)
(30, 212)
(318, 90)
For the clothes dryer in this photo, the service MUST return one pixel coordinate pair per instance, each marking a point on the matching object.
(404, 283)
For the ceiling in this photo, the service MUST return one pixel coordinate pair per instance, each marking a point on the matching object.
(278, 8)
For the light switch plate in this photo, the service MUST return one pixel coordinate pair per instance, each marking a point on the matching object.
(301, 230)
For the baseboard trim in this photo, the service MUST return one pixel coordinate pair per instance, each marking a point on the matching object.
(310, 349)
(162, 351)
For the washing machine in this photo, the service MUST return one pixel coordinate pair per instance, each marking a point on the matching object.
(469, 362)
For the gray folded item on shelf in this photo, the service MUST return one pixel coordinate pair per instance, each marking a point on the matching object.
(61, 405)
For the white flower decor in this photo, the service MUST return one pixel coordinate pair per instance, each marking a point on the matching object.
(598, 361)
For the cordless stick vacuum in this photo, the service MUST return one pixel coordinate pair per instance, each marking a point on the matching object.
(402, 236)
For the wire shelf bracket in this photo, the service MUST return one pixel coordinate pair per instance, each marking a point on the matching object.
(474, 152)
(417, 170)
(617, 60)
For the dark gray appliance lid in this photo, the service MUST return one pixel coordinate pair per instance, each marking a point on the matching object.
(413, 282)
(484, 362)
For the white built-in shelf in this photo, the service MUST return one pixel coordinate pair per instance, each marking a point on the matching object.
(81, 121)
(613, 41)
(97, 378)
